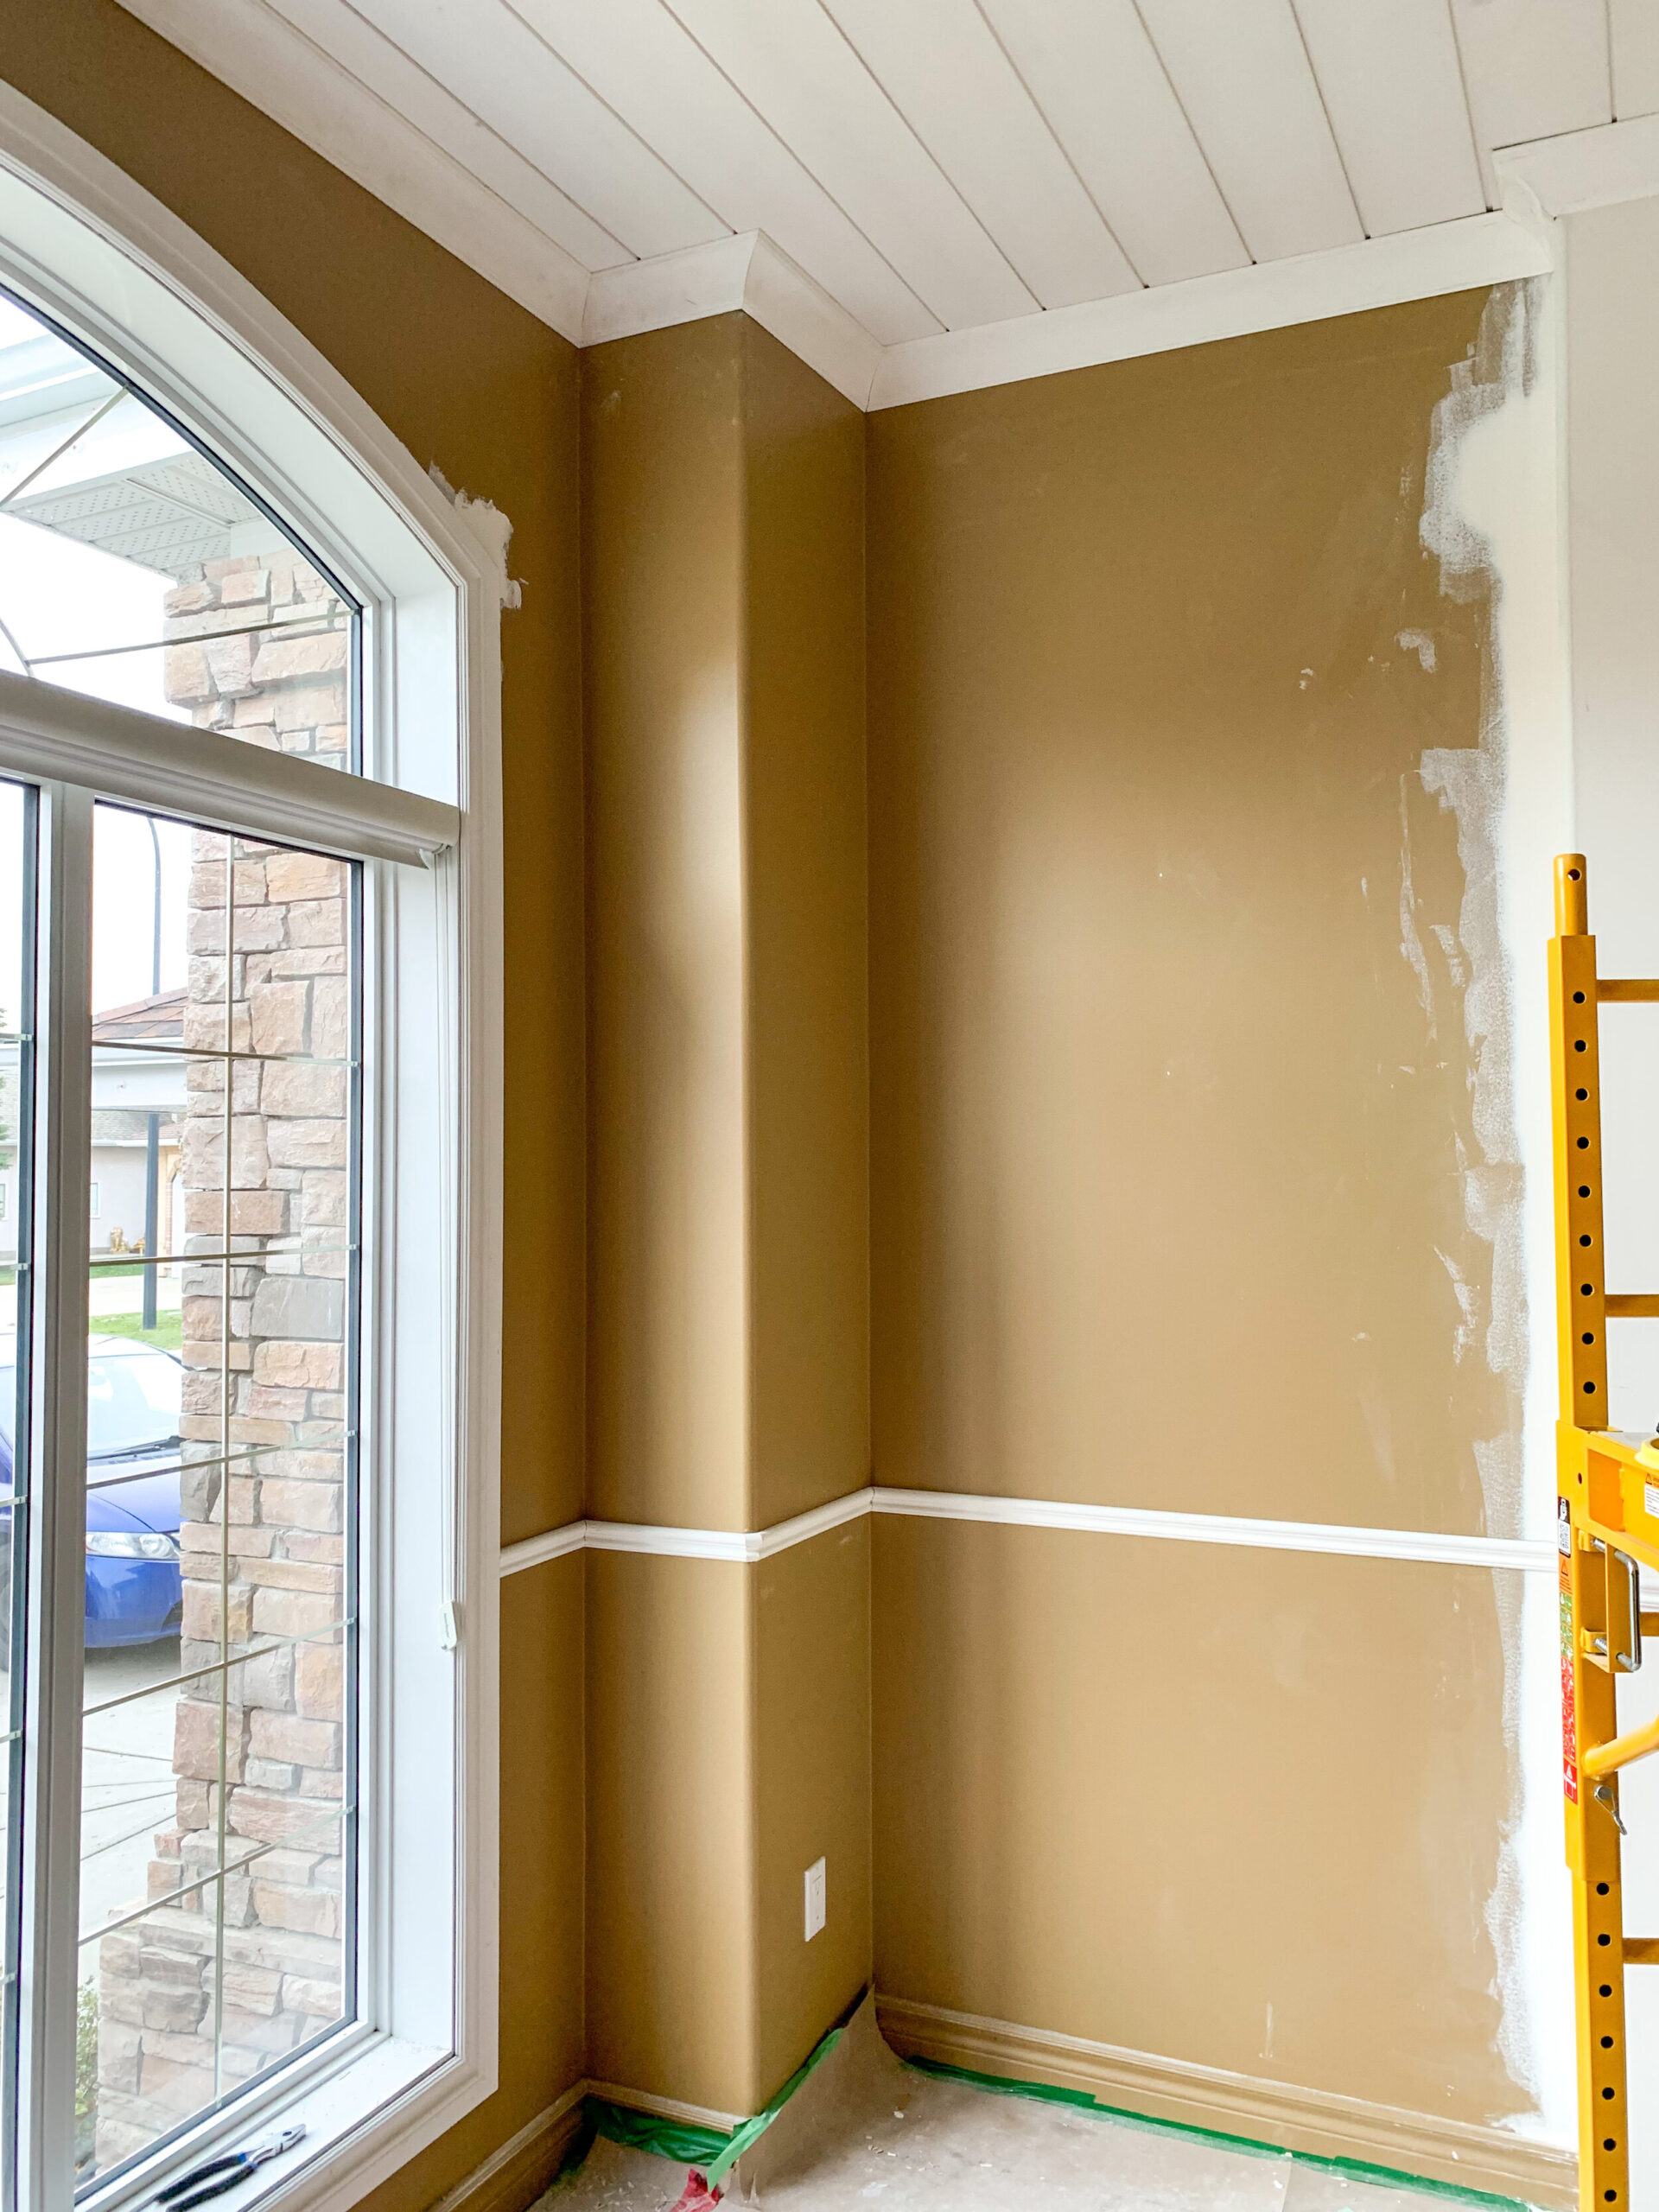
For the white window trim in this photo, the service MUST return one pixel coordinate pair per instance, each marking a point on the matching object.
(108, 260)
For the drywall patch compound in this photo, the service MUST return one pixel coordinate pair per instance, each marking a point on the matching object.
(1492, 517)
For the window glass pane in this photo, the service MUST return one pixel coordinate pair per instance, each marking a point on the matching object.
(216, 1897)
(134, 568)
(17, 1089)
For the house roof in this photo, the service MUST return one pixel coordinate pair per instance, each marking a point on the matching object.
(159, 1019)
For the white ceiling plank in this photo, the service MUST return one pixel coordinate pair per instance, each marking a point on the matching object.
(494, 62)
(374, 61)
(1243, 78)
(1635, 26)
(942, 67)
(1392, 88)
(639, 60)
(793, 63)
(1094, 72)
(300, 86)
(1534, 67)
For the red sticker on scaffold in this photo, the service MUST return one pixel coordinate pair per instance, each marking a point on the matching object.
(1569, 1691)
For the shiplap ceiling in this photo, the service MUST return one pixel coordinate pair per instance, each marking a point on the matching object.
(933, 165)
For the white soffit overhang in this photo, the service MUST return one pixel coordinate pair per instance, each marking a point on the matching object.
(325, 72)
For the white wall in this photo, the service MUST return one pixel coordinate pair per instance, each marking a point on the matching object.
(1613, 385)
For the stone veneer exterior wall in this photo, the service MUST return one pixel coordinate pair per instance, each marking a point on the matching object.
(273, 1784)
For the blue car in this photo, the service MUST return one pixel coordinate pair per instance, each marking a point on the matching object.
(133, 1589)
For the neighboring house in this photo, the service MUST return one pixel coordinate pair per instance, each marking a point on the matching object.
(130, 1084)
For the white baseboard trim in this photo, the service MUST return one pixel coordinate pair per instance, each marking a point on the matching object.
(664, 2107)
(1273, 2113)
(1336, 1539)
(519, 2169)
(517, 2165)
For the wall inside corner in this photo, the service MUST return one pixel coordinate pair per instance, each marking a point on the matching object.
(473, 384)
(1205, 755)
(1612, 346)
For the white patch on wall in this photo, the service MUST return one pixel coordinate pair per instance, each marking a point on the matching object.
(491, 528)
(1494, 516)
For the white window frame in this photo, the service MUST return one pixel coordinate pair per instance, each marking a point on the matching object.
(91, 249)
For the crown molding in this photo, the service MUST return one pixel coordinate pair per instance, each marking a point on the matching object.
(262, 55)
(747, 272)
(1586, 169)
(1463, 255)
(249, 46)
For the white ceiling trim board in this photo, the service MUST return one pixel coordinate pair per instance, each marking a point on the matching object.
(1587, 169)
(249, 47)
(747, 272)
(1270, 295)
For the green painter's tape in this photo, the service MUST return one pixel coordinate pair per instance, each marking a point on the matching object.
(752, 2129)
(1356, 2169)
(712, 2153)
(679, 2140)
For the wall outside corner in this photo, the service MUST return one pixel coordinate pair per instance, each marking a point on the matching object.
(728, 1347)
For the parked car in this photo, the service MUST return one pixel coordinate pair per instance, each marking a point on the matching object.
(133, 1589)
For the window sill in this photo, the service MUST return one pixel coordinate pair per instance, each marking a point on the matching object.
(373, 2104)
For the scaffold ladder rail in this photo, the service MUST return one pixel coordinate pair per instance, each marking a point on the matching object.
(1607, 1525)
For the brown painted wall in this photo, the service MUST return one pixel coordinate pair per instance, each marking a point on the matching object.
(664, 612)
(728, 1347)
(812, 1791)
(1170, 1108)
(472, 383)
(728, 1727)
(808, 1085)
(1165, 1144)
(671, 1847)
(724, 651)
(1142, 1792)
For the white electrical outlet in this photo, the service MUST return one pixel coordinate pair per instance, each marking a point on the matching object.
(814, 1898)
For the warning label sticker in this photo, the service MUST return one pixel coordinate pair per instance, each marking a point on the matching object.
(1569, 1692)
(1650, 1497)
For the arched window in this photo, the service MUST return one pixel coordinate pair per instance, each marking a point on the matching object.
(249, 1271)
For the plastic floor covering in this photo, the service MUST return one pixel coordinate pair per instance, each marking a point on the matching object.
(868, 2131)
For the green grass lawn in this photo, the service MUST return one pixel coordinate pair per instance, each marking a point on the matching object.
(168, 1331)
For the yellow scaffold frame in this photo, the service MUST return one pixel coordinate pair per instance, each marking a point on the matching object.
(1607, 1528)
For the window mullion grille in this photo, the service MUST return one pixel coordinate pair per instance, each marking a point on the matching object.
(62, 1236)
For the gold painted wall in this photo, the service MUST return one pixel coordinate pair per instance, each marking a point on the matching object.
(662, 610)
(473, 384)
(671, 1828)
(729, 1712)
(804, 831)
(812, 1794)
(724, 655)
(1238, 1808)
(1171, 1098)
(1172, 1115)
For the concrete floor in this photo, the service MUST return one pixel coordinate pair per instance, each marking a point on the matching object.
(878, 2134)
